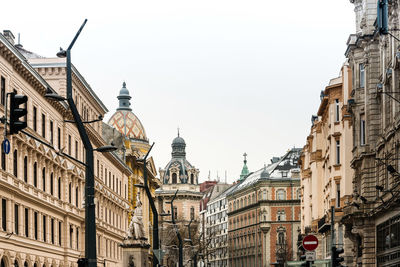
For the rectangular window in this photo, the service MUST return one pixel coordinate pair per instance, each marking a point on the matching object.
(362, 129)
(4, 214)
(34, 119)
(59, 187)
(26, 222)
(59, 232)
(76, 196)
(51, 132)
(3, 158)
(52, 231)
(337, 195)
(44, 125)
(16, 219)
(3, 90)
(25, 169)
(69, 193)
(337, 110)
(35, 174)
(71, 231)
(51, 184)
(44, 179)
(76, 149)
(35, 225)
(77, 238)
(59, 138)
(362, 75)
(15, 163)
(69, 145)
(44, 228)
(337, 152)
(98, 167)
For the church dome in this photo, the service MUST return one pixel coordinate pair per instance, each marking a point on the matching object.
(124, 120)
(179, 170)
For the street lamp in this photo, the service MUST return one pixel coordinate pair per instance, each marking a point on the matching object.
(156, 242)
(180, 245)
(90, 259)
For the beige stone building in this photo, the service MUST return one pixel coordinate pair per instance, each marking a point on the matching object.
(326, 175)
(179, 175)
(42, 191)
(372, 220)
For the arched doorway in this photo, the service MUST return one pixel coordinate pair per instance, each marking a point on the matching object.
(2, 263)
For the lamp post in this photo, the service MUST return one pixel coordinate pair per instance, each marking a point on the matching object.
(90, 259)
(180, 245)
(156, 242)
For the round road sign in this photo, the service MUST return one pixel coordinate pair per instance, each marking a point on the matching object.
(6, 146)
(310, 242)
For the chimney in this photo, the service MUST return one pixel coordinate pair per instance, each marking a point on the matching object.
(9, 36)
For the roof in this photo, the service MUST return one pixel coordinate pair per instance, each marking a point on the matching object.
(287, 163)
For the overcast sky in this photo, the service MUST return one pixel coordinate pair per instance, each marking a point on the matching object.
(235, 76)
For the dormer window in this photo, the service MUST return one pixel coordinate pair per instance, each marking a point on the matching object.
(174, 178)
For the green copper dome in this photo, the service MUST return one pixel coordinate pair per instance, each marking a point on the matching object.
(245, 170)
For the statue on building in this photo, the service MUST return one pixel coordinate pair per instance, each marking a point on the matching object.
(136, 228)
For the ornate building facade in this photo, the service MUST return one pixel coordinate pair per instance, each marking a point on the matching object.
(326, 175)
(41, 190)
(264, 214)
(130, 136)
(372, 219)
(180, 177)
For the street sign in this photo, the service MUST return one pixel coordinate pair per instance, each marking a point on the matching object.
(310, 242)
(6, 146)
(310, 255)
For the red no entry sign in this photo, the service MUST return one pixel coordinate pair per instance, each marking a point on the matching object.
(310, 242)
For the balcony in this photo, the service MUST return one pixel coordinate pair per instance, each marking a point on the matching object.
(323, 225)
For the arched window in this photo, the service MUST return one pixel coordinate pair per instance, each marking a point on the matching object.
(25, 264)
(280, 194)
(174, 178)
(192, 213)
(15, 165)
(281, 238)
(241, 203)
(25, 169)
(192, 178)
(16, 263)
(265, 194)
(35, 174)
(298, 193)
(44, 179)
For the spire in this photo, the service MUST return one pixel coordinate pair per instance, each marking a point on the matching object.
(245, 170)
(124, 98)
(178, 147)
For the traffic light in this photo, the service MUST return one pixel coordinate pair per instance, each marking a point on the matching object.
(16, 112)
(303, 258)
(337, 259)
(382, 17)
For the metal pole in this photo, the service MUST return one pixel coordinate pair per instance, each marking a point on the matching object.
(156, 241)
(177, 231)
(332, 232)
(90, 215)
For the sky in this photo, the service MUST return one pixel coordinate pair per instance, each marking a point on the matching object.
(235, 76)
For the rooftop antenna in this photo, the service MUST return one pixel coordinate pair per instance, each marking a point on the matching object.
(217, 177)
(209, 175)
(19, 38)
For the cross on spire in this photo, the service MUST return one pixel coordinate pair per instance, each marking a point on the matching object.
(178, 131)
(245, 157)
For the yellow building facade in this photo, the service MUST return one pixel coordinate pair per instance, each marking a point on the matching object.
(134, 146)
